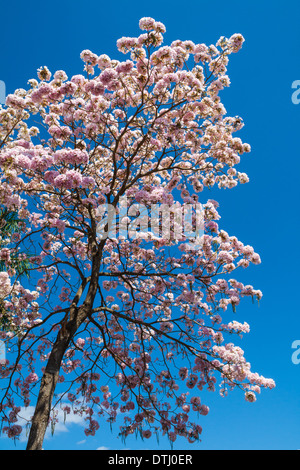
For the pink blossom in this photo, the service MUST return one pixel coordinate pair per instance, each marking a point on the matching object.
(80, 342)
(108, 75)
(31, 378)
(147, 23)
(250, 396)
(88, 56)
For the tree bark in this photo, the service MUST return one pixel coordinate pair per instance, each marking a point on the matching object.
(41, 415)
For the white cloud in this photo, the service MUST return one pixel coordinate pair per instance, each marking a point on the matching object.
(26, 414)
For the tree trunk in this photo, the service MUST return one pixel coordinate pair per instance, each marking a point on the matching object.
(77, 316)
(41, 415)
(42, 412)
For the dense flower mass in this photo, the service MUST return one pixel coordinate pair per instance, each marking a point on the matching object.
(123, 326)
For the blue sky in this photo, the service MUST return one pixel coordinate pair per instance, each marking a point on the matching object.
(264, 213)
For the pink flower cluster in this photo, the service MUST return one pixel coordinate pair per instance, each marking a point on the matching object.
(72, 179)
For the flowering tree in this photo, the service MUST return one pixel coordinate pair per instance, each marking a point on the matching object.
(124, 325)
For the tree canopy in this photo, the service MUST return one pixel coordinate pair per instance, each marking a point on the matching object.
(107, 324)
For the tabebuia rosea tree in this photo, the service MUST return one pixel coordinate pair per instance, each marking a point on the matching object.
(114, 324)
